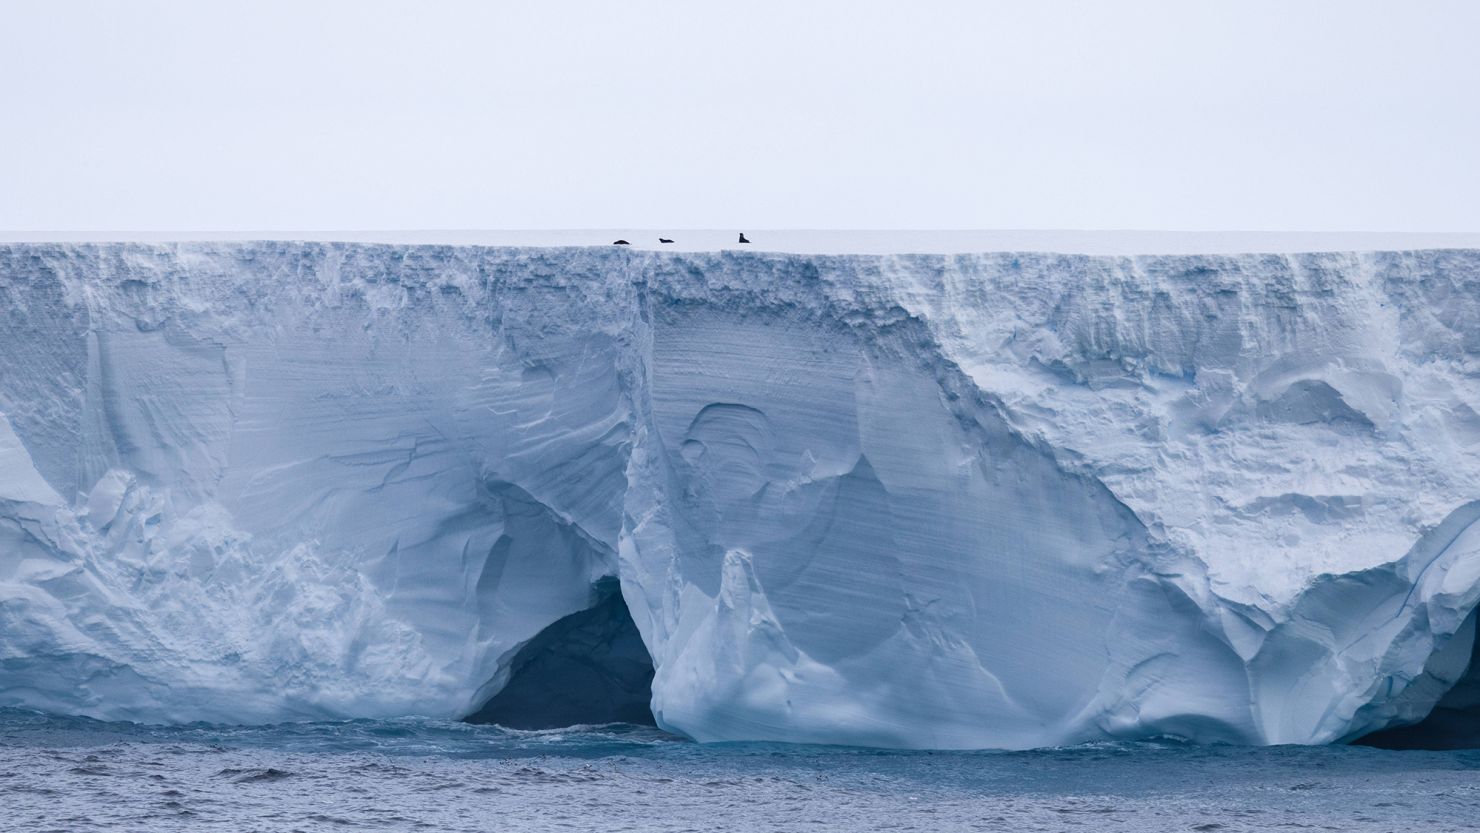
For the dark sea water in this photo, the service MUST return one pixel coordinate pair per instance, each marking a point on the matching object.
(71, 774)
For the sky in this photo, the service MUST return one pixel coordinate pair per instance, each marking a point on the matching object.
(236, 116)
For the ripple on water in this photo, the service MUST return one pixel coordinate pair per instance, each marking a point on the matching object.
(254, 776)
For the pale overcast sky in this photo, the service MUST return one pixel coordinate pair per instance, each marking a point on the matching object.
(425, 115)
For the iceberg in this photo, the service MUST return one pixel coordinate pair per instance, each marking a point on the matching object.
(926, 501)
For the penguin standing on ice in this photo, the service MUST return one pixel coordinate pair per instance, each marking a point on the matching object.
(742, 238)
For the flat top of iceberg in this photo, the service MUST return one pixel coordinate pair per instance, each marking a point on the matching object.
(814, 241)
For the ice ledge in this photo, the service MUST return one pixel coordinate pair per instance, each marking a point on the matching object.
(828, 241)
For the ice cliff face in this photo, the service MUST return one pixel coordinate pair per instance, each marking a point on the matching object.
(925, 501)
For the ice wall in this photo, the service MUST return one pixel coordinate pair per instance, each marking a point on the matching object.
(924, 501)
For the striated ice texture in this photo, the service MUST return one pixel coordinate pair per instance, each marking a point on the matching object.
(916, 501)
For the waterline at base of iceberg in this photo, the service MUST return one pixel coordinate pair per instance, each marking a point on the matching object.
(408, 774)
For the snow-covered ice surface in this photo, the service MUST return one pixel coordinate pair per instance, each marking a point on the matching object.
(828, 241)
(949, 500)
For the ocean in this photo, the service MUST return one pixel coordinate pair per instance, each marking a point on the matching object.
(70, 774)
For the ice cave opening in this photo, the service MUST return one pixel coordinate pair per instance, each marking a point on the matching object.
(1454, 722)
(590, 667)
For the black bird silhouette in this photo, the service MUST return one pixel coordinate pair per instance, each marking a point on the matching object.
(621, 243)
(742, 238)
(664, 240)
